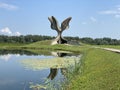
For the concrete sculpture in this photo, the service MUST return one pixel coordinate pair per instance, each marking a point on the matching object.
(64, 25)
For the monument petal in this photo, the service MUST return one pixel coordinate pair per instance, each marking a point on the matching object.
(65, 23)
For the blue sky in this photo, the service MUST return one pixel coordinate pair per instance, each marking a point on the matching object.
(90, 18)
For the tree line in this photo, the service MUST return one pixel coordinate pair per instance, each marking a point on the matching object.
(35, 38)
(100, 41)
(23, 38)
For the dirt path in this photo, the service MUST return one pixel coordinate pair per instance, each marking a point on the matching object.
(111, 49)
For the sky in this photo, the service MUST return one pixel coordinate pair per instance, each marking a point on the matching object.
(90, 18)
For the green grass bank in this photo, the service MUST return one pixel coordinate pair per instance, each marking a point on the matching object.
(101, 71)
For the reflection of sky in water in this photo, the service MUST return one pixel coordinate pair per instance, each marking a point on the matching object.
(13, 76)
(8, 56)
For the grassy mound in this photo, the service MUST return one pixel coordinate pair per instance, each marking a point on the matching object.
(46, 45)
(45, 42)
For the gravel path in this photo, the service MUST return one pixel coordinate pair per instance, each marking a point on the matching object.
(111, 49)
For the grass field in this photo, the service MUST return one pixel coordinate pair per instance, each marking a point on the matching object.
(100, 69)
(11, 45)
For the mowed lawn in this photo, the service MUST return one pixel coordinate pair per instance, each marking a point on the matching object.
(101, 71)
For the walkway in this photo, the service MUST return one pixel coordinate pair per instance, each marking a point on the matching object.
(111, 49)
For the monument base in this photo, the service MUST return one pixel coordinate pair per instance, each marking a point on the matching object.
(59, 41)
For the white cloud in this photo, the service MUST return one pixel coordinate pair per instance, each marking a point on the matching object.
(6, 30)
(109, 12)
(115, 12)
(93, 19)
(8, 6)
(84, 23)
(117, 16)
(117, 6)
(17, 33)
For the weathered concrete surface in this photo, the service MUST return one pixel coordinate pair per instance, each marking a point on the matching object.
(54, 25)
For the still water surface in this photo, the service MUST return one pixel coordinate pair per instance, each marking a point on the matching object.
(16, 74)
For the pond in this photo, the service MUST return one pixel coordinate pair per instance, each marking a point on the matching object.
(23, 70)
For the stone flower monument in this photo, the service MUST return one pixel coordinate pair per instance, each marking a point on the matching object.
(54, 25)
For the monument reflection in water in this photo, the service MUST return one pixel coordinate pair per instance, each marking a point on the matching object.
(58, 69)
(54, 71)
